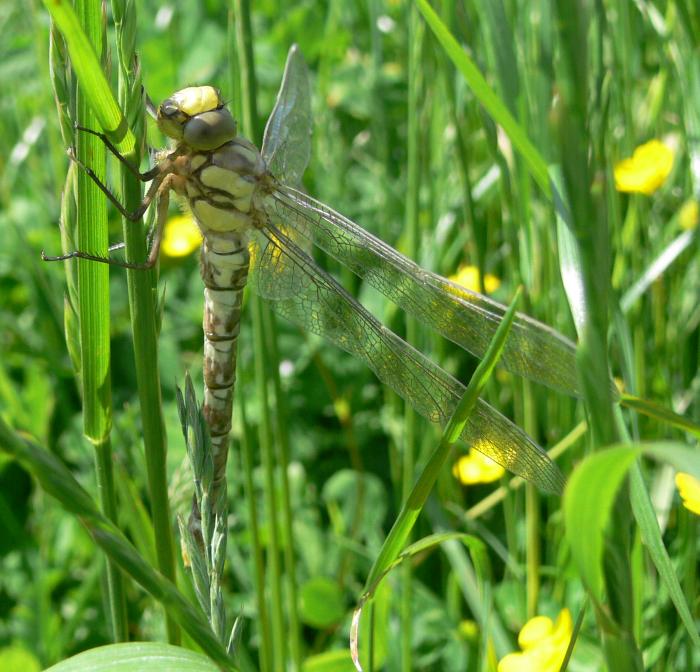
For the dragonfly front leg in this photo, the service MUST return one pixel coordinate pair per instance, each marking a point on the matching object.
(158, 178)
(160, 189)
(144, 177)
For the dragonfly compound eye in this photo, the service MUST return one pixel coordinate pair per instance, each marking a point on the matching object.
(210, 130)
(171, 119)
(175, 112)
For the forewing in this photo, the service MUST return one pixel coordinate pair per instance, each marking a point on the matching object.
(305, 294)
(287, 140)
(467, 318)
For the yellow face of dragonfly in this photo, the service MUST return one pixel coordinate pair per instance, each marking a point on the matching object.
(197, 117)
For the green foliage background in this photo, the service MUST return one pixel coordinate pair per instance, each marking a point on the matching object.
(476, 204)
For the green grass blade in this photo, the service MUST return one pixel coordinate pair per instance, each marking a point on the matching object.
(651, 536)
(416, 500)
(56, 479)
(92, 80)
(413, 331)
(480, 560)
(487, 97)
(661, 413)
(142, 286)
(94, 318)
(250, 124)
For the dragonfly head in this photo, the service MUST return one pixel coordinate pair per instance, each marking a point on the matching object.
(197, 117)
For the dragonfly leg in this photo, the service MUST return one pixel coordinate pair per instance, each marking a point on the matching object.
(144, 177)
(131, 216)
(161, 218)
(162, 190)
(77, 254)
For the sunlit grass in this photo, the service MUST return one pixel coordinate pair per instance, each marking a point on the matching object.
(484, 215)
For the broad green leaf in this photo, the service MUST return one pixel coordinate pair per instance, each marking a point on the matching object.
(137, 657)
(590, 496)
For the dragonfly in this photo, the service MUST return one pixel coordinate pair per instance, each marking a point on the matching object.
(259, 227)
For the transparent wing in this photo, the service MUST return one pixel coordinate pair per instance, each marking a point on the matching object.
(305, 294)
(467, 318)
(286, 144)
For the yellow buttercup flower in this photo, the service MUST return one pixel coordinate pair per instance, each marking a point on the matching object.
(689, 214)
(543, 643)
(646, 170)
(468, 276)
(475, 467)
(180, 237)
(689, 490)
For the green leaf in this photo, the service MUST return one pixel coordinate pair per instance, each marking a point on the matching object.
(321, 602)
(331, 661)
(136, 657)
(588, 501)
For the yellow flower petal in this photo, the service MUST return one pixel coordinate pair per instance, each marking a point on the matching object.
(518, 662)
(563, 629)
(468, 277)
(534, 631)
(543, 645)
(180, 237)
(689, 490)
(646, 170)
(474, 467)
(689, 215)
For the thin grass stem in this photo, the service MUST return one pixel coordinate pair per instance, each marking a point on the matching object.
(142, 286)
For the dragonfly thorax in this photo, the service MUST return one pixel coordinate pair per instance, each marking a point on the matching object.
(197, 117)
(221, 186)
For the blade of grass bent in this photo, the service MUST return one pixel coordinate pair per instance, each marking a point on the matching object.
(92, 80)
(416, 500)
(413, 505)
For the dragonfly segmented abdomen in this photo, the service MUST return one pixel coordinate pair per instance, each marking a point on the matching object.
(221, 188)
(224, 268)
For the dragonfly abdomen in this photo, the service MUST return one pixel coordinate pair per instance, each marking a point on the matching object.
(224, 269)
(221, 185)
